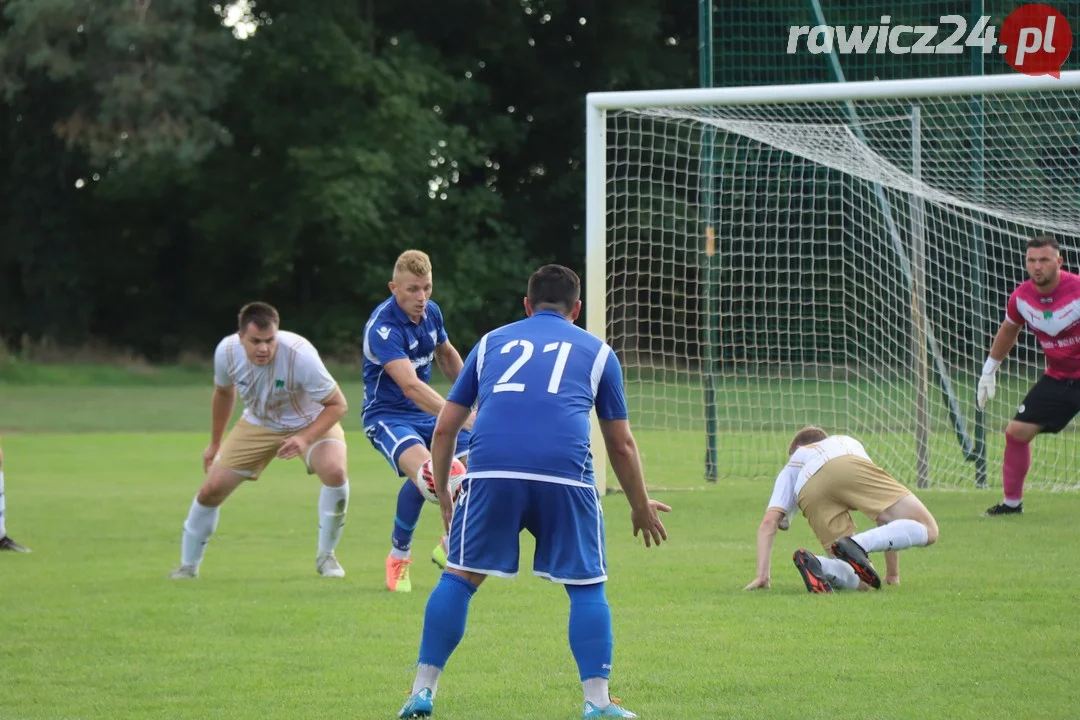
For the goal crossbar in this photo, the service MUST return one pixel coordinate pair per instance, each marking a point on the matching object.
(832, 92)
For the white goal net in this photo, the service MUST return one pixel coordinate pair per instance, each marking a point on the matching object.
(837, 255)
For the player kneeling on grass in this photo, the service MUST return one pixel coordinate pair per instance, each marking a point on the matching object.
(291, 409)
(827, 477)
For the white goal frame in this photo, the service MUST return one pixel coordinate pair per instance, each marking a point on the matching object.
(596, 146)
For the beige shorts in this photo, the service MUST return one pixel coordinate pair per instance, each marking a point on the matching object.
(842, 485)
(249, 448)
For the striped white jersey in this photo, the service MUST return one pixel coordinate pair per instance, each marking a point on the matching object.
(283, 396)
(804, 464)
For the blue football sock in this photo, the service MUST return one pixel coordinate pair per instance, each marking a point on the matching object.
(591, 639)
(444, 619)
(409, 504)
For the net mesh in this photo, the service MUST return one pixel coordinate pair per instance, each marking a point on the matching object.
(773, 266)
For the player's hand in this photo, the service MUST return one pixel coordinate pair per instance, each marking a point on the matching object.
(208, 455)
(759, 584)
(892, 579)
(446, 507)
(294, 446)
(987, 386)
(647, 521)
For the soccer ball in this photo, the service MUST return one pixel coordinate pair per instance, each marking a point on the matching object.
(427, 480)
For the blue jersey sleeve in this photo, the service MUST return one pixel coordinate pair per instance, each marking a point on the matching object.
(386, 342)
(467, 386)
(610, 399)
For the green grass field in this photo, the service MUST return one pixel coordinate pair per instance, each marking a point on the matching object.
(101, 468)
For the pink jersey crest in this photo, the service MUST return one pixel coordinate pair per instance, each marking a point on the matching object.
(1055, 320)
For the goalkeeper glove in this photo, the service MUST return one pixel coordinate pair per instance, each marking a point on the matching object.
(987, 383)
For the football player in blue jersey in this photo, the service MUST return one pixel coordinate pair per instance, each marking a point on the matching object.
(530, 468)
(402, 338)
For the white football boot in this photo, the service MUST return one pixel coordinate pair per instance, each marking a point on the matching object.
(184, 572)
(328, 566)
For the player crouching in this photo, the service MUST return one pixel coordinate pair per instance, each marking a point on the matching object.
(827, 477)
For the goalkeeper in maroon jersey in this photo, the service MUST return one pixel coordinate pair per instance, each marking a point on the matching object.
(1049, 304)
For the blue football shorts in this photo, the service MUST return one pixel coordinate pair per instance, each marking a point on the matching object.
(567, 521)
(393, 436)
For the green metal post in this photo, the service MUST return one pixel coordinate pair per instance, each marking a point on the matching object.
(710, 258)
(978, 242)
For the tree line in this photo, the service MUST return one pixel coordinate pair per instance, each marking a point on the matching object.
(160, 166)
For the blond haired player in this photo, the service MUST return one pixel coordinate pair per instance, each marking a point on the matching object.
(6, 543)
(826, 477)
(403, 338)
(292, 409)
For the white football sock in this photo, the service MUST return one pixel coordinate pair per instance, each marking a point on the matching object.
(200, 525)
(1007, 501)
(596, 691)
(333, 502)
(897, 535)
(3, 517)
(400, 554)
(838, 573)
(427, 676)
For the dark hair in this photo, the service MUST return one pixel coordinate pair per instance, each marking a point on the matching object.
(807, 436)
(262, 314)
(1041, 241)
(554, 287)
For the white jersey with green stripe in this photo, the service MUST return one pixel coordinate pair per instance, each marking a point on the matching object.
(283, 396)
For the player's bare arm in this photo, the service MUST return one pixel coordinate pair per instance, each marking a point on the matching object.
(1004, 340)
(450, 363)
(766, 534)
(626, 461)
(443, 442)
(221, 409)
(449, 360)
(423, 395)
(334, 408)
(892, 567)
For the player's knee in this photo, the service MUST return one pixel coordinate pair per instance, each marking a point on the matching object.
(334, 477)
(474, 578)
(931, 531)
(215, 490)
(210, 495)
(1021, 431)
(592, 593)
(412, 459)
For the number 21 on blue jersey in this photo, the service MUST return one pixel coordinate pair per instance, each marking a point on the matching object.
(526, 350)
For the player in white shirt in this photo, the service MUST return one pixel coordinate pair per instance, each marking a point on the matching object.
(6, 543)
(292, 408)
(827, 477)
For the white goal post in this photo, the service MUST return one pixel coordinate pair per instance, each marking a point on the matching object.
(837, 254)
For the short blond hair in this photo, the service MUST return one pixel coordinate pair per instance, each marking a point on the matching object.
(416, 262)
(807, 436)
